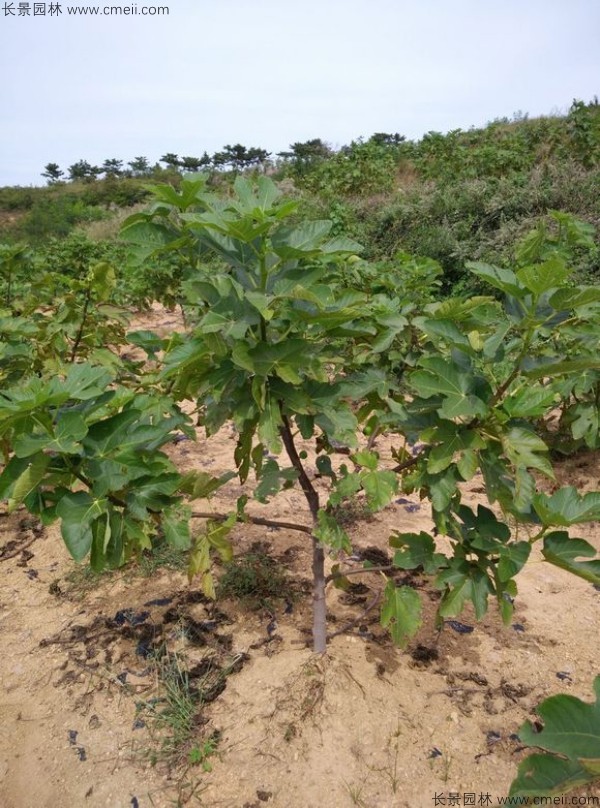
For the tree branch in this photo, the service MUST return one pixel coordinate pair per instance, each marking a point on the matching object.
(408, 463)
(358, 619)
(310, 493)
(384, 568)
(255, 520)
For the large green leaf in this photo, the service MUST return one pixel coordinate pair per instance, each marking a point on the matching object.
(563, 551)
(442, 488)
(77, 511)
(340, 245)
(300, 240)
(451, 440)
(103, 279)
(464, 582)
(176, 527)
(346, 486)
(101, 536)
(284, 358)
(442, 328)
(379, 487)
(530, 401)
(269, 426)
(566, 507)
(586, 424)
(513, 558)
(573, 298)
(152, 494)
(68, 431)
(416, 550)
(524, 449)
(28, 480)
(445, 378)
(540, 278)
(271, 478)
(201, 485)
(338, 422)
(548, 776)
(330, 533)
(111, 433)
(571, 731)
(401, 612)
(549, 367)
(467, 464)
(84, 381)
(503, 279)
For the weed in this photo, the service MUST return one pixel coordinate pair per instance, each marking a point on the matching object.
(390, 771)
(176, 717)
(163, 556)
(83, 579)
(255, 578)
(176, 720)
(199, 755)
(352, 510)
(355, 794)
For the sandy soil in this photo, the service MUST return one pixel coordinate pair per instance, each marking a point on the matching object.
(366, 725)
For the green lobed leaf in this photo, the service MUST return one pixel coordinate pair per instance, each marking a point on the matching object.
(367, 459)
(463, 582)
(572, 731)
(563, 551)
(269, 426)
(443, 377)
(300, 240)
(78, 511)
(557, 366)
(586, 425)
(467, 464)
(64, 438)
(416, 550)
(101, 536)
(566, 507)
(175, 523)
(442, 488)
(503, 279)
(15, 467)
(540, 278)
(513, 558)
(329, 532)
(401, 612)
(28, 480)
(379, 487)
(84, 381)
(530, 401)
(346, 486)
(201, 485)
(524, 449)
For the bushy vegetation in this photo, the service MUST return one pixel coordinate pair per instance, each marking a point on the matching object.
(465, 194)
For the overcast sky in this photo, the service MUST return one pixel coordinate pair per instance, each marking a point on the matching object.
(270, 72)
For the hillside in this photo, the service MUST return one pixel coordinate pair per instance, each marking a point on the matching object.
(455, 196)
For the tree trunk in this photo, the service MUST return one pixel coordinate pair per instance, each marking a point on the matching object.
(318, 562)
(319, 602)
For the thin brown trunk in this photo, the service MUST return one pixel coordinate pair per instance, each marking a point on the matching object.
(318, 559)
(319, 602)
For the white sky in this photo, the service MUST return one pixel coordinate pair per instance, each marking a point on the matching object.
(269, 72)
